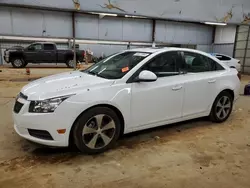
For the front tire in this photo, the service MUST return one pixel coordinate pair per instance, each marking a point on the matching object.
(70, 63)
(18, 63)
(96, 130)
(222, 107)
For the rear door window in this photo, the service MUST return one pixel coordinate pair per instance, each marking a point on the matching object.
(49, 47)
(196, 63)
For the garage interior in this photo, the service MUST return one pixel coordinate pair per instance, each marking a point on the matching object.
(195, 153)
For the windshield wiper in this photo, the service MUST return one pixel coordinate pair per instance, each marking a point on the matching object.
(92, 73)
(96, 74)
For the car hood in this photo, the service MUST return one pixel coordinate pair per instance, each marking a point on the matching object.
(63, 84)
(14, 48)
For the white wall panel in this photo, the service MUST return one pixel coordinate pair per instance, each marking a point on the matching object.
(112, 28)
(28, 22)
(226, 49)
(225, 34)
(183, 33)
(137, 29)
(204, 48)
(5, 20)
(87, 26)
(58, 24)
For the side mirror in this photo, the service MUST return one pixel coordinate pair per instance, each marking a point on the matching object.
(146, 76)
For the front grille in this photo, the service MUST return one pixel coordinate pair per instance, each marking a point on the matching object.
(17, 107)
(45, 135)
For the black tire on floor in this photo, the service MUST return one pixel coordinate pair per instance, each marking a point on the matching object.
(87, 117)
(213, 114)
(18, 62)
(69, 64)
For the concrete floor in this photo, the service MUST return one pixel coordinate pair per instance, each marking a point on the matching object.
(193, 154)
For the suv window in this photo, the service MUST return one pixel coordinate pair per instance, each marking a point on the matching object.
(199, 63)
(49, 47)
(222, 57)
(165, 64)
(35, 47)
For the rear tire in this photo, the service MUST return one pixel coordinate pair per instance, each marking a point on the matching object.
(97, 130)
(222, 107)
(18, 63)
(70, 63)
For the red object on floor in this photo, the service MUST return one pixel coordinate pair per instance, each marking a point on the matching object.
(27, 71)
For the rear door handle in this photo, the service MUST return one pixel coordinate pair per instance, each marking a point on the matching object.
(212, 81)
(177, 88)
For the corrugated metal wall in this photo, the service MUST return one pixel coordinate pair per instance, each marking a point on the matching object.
(188, 10)
(40, 23)
(183, 33)
(226, 49)
(28, 22)
(113, 28)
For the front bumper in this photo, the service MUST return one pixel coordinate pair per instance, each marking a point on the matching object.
(50, 122)
(6, 59)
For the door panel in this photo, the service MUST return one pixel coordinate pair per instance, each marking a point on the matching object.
(200, 83)
(162, 100)
(157, 101)
(49, 53)
(199, 90)
(33, 53)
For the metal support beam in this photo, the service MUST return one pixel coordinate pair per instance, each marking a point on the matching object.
(235, 39)
(74, 38)
(214, 32)
(243, 67)
(153, 32)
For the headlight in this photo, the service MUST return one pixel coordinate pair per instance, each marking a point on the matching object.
(46, 106)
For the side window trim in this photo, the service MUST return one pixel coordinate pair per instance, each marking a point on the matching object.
(130, 80)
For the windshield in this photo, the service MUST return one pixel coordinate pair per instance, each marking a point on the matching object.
(116, 66)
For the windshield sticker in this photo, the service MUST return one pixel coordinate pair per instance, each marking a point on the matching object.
(125, 69)
(141, 54)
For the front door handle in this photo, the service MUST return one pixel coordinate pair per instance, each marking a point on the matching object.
(176, 88)
(211, 81)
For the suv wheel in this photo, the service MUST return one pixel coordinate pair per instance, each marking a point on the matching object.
(70, 63)
(97, 130)
(18, 63)
(222, 107)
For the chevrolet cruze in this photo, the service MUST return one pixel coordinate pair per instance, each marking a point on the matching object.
(126, 92)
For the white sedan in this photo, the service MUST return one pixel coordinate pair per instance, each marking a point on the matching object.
(229, 61)
(126, 92)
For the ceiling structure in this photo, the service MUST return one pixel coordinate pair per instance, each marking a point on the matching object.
(229, 11)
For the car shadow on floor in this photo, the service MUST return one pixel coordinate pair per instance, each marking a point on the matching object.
(131, 140)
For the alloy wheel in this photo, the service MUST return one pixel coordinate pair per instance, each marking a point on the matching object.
(98, 131)
(18, 62)
(71, 63)
(223, 107)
